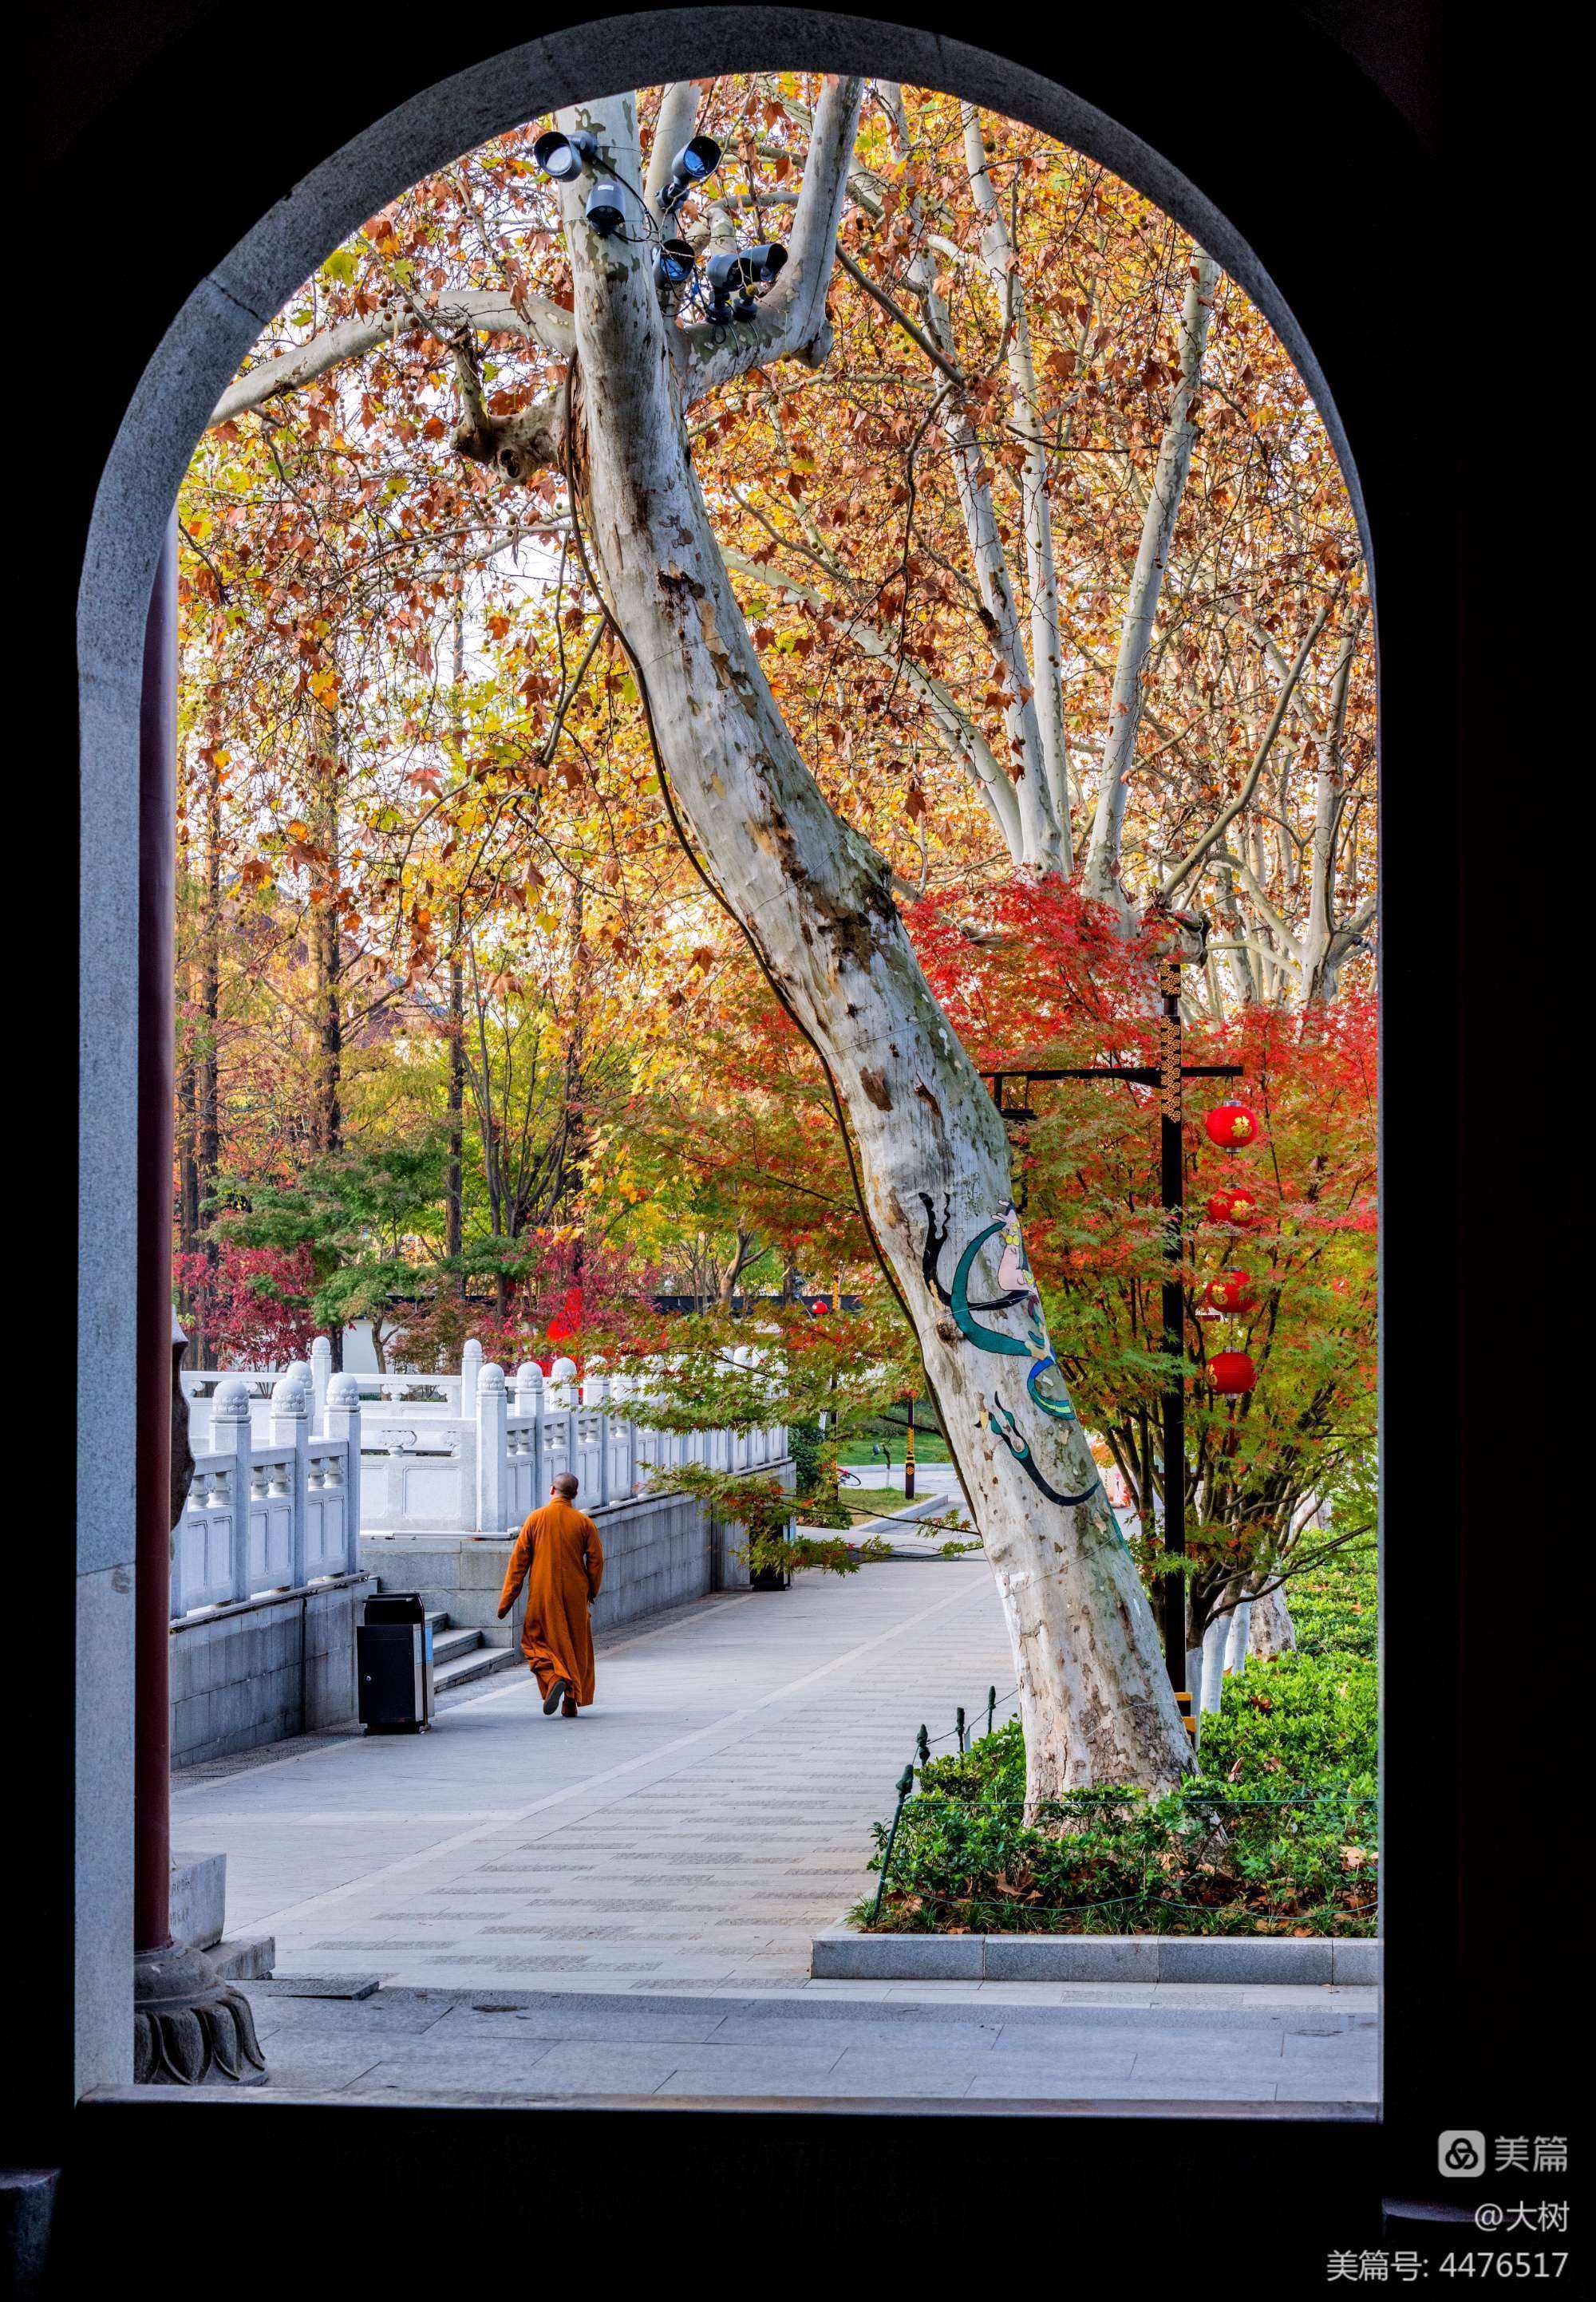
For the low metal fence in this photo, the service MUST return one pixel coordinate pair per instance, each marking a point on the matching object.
(1212, 1816)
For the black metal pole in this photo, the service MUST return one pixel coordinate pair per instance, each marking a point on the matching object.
(1172, 1179)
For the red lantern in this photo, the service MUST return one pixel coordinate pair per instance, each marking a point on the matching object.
(1232, 1125)
(1233, 1204)
(1231, 1372)
(1230, 1290)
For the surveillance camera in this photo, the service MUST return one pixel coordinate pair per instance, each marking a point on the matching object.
(760, 264)
(564, 157)
(675, 263)
(698, 159)
(606, 209)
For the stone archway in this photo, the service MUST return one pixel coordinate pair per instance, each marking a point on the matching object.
(198, 354)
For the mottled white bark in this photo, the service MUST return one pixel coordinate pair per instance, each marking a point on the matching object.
(1043, 839)
(1043, 828)
(1308, 960)
(1270, 1629)
(1002, 262)
(1227, 815)
(485, 311)
(1236, 1642)
(1213, 1653)
(813, 900)
(1102, 868)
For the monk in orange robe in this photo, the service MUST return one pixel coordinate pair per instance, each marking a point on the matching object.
(559, 1558)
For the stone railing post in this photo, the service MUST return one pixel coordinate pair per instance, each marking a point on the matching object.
(321, 1375)
(623, 1390)
(562, 1401)
(289, 1428)
(595, 1392)
(529, 1400)
(471, 1367)
(343, 1421)
(493, 1468)
(231, 1434)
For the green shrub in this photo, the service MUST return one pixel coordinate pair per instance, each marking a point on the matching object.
(1336, 1607)
(803, 1445)
(1303, 1723)
(1276, 1836)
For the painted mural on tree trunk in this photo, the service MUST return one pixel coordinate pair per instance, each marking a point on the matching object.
(1017, 1288)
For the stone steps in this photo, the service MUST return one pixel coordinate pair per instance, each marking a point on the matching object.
(482, 1664)
(448, 1646)
(461, 1654)
(244, 1958)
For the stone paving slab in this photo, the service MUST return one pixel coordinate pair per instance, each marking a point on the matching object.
(804, 2045)
(696, 1827)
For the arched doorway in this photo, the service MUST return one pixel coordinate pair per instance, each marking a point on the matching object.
(202, 349)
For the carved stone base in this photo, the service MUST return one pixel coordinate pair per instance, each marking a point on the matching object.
(191, 2028)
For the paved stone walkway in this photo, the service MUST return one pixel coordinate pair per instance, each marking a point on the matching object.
(692, 1831)
(991, 2042)
(623, 1906)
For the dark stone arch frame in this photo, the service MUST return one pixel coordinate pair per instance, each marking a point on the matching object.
(221, 318)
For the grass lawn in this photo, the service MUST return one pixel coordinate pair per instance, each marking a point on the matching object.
(927, 1449)
(872, 1502)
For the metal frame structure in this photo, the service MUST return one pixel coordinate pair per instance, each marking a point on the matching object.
(1169, 1076)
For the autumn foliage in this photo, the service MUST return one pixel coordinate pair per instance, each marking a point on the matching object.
(436, 929)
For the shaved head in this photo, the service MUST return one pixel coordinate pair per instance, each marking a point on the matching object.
(567, 1484)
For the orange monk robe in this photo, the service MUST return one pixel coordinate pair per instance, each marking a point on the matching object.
(559, 1558)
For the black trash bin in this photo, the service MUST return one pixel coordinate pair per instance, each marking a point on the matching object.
(393, 1656)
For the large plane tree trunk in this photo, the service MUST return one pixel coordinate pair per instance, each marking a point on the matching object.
(814, 900)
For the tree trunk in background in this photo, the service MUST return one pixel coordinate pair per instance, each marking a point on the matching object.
(815, 902)
(455, 1189)
(1240, 1631)
(326, 957)
(573, 1174)
(1270, 1629)
(1213, 1653)
(1102, 857)
(207, 1163)
(1002, 261)
(454, 1231)
(187, 1184)
(188, 1100)
(326, 949)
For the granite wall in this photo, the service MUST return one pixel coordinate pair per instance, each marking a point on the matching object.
(265, 1668)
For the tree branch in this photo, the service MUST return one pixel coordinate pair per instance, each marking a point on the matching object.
(791, 322)
(916, 334)
(488, 311)
(1233, 808)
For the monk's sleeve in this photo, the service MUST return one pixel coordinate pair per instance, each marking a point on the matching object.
(595, 1561)
(515, 1574)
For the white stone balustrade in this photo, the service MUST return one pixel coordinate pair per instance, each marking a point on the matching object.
(274, 1513)
(292, 1464)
